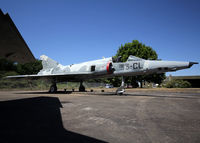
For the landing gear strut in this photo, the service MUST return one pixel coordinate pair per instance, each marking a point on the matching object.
(53, 88)
(121, 89)
(81, 87)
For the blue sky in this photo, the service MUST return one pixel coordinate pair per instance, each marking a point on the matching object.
(73, 31)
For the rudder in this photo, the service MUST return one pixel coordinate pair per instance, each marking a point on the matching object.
(47, 62)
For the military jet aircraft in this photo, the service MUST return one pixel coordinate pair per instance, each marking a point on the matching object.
(103, 68)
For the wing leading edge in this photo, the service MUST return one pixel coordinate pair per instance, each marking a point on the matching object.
(56, 77)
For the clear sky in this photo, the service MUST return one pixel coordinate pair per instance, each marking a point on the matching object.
(73, 31)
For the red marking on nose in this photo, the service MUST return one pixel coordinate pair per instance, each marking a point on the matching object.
(108, 68)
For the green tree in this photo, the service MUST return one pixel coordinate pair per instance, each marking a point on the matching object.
(29, 68)
(7, 67)
(11, 68)
(138, 49)
(177, 83)
(116, 81)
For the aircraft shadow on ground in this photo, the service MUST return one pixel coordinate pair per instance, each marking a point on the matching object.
(45, 92)
(36, 120)
(68, 92)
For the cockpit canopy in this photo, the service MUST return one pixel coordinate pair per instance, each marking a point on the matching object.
(133, 58)
(116, 60)
(130, 58)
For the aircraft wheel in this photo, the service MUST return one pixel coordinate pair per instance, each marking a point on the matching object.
(119, 94)
(81, 88)
(53, 89)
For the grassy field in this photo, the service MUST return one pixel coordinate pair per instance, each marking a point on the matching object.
(43, 85)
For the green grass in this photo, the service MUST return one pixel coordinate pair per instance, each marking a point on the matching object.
(8, 84)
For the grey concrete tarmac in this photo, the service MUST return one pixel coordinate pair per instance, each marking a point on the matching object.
(139, 116)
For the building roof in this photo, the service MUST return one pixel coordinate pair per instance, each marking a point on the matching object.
(12, 45)
(186, 77)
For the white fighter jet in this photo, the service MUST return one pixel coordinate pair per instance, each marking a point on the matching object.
(103, 68)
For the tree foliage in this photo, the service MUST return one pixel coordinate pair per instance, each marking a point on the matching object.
(178, 84)
(29, 68)
(136, 49)
(140, 50)
(116, 81)
(11, 68)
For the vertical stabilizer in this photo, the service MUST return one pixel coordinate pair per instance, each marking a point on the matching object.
(47, 62)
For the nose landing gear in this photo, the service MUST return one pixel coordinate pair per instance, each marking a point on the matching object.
(121, 89)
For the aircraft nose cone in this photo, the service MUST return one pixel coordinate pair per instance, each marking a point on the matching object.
(192, 63)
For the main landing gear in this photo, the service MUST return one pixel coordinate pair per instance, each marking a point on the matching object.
(121, 89)
(53, 88)
(81, 87)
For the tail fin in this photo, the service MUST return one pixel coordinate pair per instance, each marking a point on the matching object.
(47, 62)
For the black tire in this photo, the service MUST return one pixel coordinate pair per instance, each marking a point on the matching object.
(53, 89)
(82, 88)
